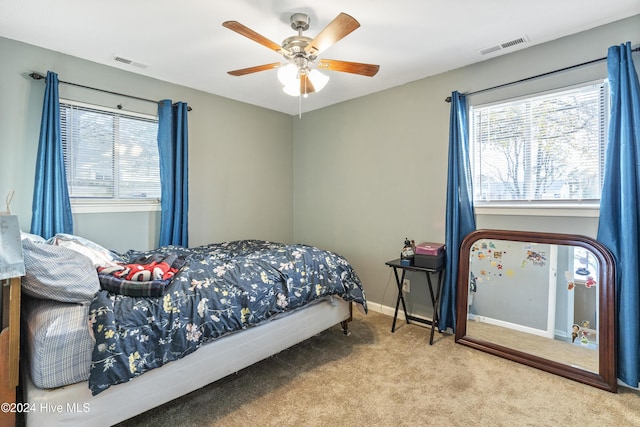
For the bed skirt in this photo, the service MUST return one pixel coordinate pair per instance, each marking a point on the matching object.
(74, 405)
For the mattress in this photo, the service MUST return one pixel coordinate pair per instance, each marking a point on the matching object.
(58, 342)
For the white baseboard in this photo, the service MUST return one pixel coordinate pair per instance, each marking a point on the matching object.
(509, 325)
(623, 384)
(388, 311)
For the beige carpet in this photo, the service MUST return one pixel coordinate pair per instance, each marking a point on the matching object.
(377, 378)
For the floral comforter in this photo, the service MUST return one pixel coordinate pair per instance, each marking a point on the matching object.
(222, 288)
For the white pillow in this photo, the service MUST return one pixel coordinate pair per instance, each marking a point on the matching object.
(99, 256)
(32, 237)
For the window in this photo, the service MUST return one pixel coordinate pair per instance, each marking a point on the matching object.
(544, 148)
(585, 266)
(109, 154)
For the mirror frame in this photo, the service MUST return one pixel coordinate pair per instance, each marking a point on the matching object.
(606, 378)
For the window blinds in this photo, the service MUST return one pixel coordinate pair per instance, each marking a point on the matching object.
(540, 148)
(109, 154)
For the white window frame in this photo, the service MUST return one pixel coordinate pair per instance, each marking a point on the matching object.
(98, 205)
(576, 208)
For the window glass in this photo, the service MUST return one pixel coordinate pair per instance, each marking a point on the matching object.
(541, 148)
(109, 154)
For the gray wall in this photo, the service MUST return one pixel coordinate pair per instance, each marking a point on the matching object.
(357, 177)
(237, 151)
(372, 171)
(510, 285)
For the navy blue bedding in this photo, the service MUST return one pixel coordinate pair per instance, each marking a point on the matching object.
(222, 288)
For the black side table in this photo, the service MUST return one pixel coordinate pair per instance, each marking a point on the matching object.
(435, 296)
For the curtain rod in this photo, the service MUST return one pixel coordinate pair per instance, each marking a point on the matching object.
(39, 76)
(448, 98)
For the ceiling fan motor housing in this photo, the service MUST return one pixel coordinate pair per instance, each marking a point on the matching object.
(294, 46)
(300, 21)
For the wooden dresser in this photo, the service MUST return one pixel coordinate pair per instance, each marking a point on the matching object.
(9, 350)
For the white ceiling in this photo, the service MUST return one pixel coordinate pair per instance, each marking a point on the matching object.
(184, 42)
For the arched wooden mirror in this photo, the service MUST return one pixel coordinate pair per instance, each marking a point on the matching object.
(542, 299)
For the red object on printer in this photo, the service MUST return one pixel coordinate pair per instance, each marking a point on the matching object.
(428, 248)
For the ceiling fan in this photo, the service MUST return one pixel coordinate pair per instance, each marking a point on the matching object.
(299, 73)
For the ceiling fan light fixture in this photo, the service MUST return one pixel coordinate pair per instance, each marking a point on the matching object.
(292, 89)
(288, 74)
(318, 79)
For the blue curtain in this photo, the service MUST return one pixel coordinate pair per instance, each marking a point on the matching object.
(173, 144)
(619, 225)
(460, 218)
(51, 209)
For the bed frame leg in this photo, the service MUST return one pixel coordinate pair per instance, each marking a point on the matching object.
(345, 327)
(345, 323)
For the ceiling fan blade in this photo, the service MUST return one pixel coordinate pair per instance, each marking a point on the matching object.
(337, 29)
(368, 70)
(306, 87)
(249, 33)
(245, 71)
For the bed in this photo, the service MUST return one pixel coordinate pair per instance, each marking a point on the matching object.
(171, 320)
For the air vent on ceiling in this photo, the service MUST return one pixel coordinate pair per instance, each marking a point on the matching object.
(129, 62)
(504, 45)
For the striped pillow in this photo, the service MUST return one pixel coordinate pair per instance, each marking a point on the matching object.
(58, 273)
